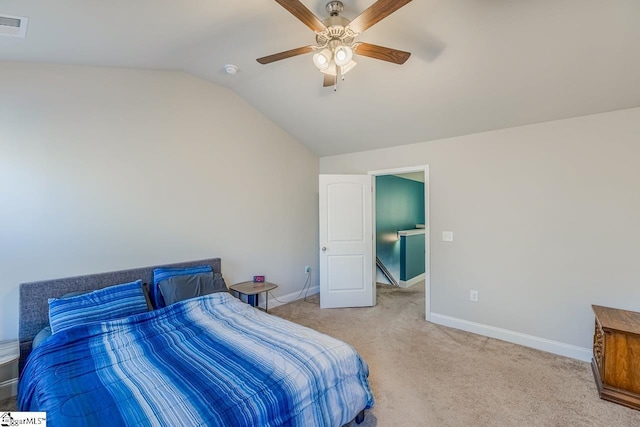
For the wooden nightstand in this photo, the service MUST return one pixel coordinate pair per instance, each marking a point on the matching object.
(252, 290)
(616, 355)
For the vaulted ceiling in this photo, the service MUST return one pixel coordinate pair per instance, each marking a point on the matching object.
(476, 65)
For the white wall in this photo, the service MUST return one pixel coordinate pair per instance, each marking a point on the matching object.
(104, 169)
(546, 221)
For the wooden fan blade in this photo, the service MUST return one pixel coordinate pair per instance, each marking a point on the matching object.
(383, 53)
(329, 80)
(375, 13)
(285, 54)
(301, 12)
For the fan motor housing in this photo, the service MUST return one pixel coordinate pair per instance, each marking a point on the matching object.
(337, 26)
(334, 8)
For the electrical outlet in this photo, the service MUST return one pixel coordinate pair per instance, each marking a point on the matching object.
(473, 296)
(307, 269)
(447, 236)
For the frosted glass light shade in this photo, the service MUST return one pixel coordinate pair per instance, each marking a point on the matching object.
(346, 68)
(332, 70)
(343, 55)
(321, 59)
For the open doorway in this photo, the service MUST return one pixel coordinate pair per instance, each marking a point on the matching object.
(400, 231)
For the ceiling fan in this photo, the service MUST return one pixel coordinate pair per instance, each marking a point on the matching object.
(335, 37)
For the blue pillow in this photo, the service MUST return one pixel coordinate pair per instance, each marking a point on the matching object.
(109, 303)
(163, 273)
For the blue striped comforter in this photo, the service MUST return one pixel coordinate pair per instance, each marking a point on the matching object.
(208, 361)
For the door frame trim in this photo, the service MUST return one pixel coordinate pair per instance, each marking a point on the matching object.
(427, 226)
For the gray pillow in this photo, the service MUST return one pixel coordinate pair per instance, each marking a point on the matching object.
(145, 291)
(42, 335)
(179, 288)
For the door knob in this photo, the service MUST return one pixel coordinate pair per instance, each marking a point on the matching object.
(324, 249)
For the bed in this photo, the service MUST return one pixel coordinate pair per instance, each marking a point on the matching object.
(211, 361)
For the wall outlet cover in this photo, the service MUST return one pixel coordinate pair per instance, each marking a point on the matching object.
(258, 279)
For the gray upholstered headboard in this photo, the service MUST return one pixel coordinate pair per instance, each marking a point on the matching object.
(34, 305)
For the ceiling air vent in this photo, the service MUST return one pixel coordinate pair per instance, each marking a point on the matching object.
(13, 26)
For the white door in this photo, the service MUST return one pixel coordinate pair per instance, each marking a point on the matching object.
(346, 241)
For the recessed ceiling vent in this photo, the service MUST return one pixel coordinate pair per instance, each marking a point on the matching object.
(13, 26)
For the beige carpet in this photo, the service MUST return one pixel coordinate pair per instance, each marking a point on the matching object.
(428, 375)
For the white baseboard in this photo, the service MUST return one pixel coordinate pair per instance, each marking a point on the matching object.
(555, 347)
(411, 282)
(8, 389)
(290, 297)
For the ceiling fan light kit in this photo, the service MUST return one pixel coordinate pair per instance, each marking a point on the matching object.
(335, 38)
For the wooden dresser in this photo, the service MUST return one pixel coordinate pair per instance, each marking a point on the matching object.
(616, 355)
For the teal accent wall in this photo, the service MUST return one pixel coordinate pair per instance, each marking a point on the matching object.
(399, 206)
(412, 256)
